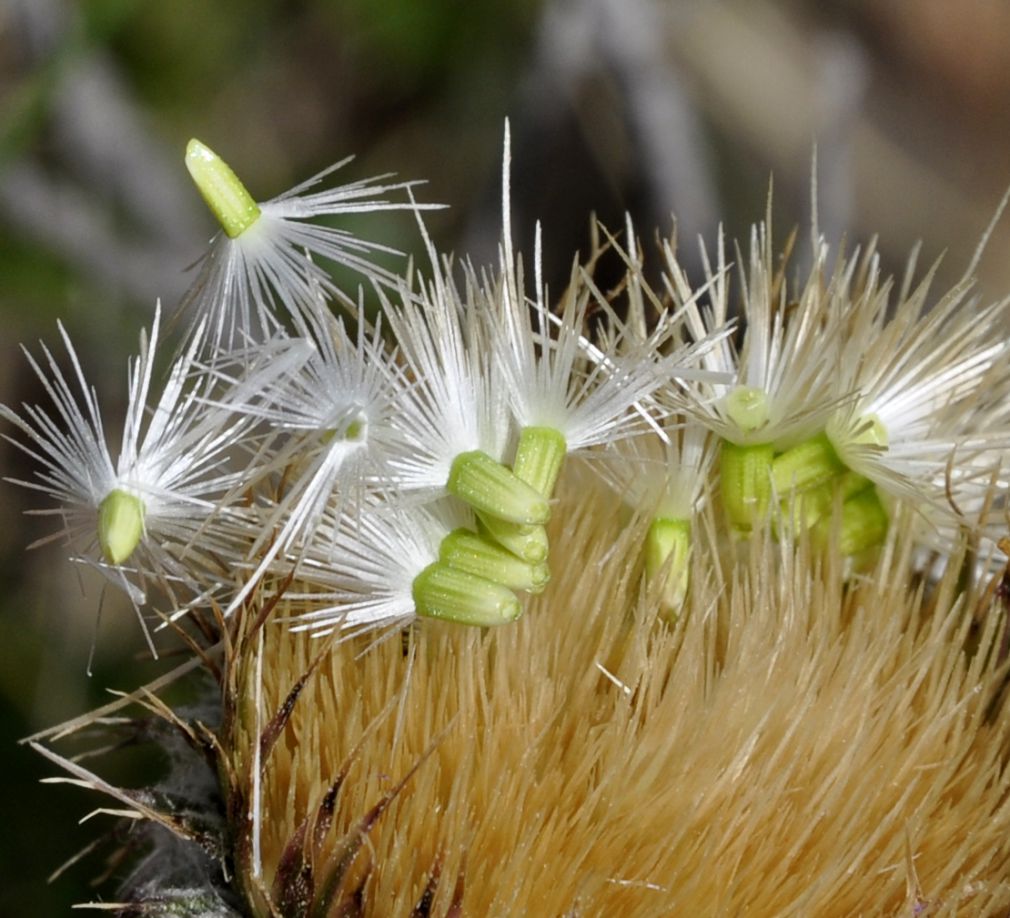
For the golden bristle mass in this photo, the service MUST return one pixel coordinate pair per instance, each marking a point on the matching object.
(797, 744)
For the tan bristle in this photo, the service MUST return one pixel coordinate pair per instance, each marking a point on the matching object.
(795, 745)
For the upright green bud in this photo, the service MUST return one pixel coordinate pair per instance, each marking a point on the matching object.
(539, 456)
(470, 552)
(745, 482)
(493, 489)
(747, 407)
(443, 592)
(667, 553)
(224, 194)
(120, 525)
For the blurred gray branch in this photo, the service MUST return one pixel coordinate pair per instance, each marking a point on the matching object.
(129, 221)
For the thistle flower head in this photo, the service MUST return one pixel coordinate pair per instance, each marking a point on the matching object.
(591, 393)
(665, 476)
(329, 412)
(454, 402)
(759, 695)
(785, 382)
(918, 375)
(149, 516)
(257, 270)
(334, 408)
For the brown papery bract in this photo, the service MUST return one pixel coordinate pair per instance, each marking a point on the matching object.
(799, 742)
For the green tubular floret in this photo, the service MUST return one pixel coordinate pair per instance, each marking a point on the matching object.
(667, 553)
(120, 525)
(449, 594)
(470, 552)
(747, 407)
(807, 508)
(863, 524)
(745, 482)
(491, 488)
(666, 537)
(221, 189)
(539, 456)
(528, 543)
(806, 465)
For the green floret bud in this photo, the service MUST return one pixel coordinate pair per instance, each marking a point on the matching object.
(539, 457)
(493, 489)
(470, 552)
(526, 542)
(667, 553)
(811, 505)
(863, 524)
(747, 407)
(807, 465)
(745, 482)
(445, 593)
(221, 189)
(120, 525)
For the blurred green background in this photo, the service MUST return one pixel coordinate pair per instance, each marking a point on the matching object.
(657, 108)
